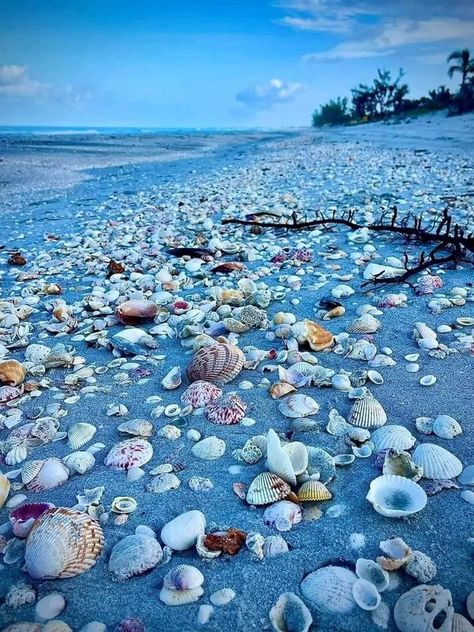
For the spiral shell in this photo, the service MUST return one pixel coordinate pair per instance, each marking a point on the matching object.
(226, 410)
(129, 453)
(218, 363)
(12, 372)
(200, 393)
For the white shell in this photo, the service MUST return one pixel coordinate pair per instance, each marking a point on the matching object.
(183, 577)
(372, 572)
(182, 532)
(41, 475)
(392, 436)
(79, 434)
(275, 545)
(365, 594)
(80, 462)
(437, 463)
(396, 496)
(134, 555)
(341, 382)
(417, 609)
(446, 427)
(267, 488)
(298, 456)
(50, 606)
(298, 405)
(329, 589)
(283, 515)
(278, 460)
(367, 413)
(365, 324)
(180, 597)
(172, 379)
(209, 448)
(428, 380)
(290, 614)
(222, 597)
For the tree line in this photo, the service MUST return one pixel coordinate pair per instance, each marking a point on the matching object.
(387, 96)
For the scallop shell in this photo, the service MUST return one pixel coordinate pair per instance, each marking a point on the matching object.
(172, 379)
(278, 460)
(226, 410)
(437, 463)
(283, 515)
(134, 555)
(367, 413)
(62, 543)
(365, 594)
(136, 312)
(200, 393)
(298, 456)
(312, 491)
(137, 428)
(79, 434)
(183, 577)
(16, 455)
(298, 405)
(219, 363)
(446, 427)
(4, 489)
(365, 324)
(129, 453)
(209, 448)
(40, 475)
(267, 488)
(12, 372)
(322, 463)
(80, 462)
(290, 614)
(392, 437)
(396, 496)
(461, 624)
(329, 589)
(372, 572)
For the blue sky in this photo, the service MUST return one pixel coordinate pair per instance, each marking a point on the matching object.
(209, 63)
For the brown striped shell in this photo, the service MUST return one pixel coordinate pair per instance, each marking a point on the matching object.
(12, 372)
(63, 543)
(226, 410)
(218, 363)
(267, 488)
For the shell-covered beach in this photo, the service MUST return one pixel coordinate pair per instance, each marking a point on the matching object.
(156, 360)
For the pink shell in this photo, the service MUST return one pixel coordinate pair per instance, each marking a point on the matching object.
(226, 410)
(200, 393)
(47, 474)
(428, 284)
(218, 363)
(391, 300)
(8, 393)
(129, 453)
(23, 517)
(131, 625)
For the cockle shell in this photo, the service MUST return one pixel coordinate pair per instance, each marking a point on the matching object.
(180, 597)
(137, 428)
(23, 517)
(200, 393)
(329, 589)
(283, 515)
(365, 324)
(129, 453)
(80, 462)
(183, 577)
(226, 410)
(290, 614)
(79, 434)
(218, 363)
(136, 312)
(62, 543)
(4, 489)
(437, 462)
(365, 594)
(16, 455)
(298, 405)
(134, 555)
(313, 491)
(367, 413)
(424, 609)
(392, 436)
(40, 475)
(12, 372)
(372, 572)
(278, 460)
(446, 427)
(267, 488)
(396, 496)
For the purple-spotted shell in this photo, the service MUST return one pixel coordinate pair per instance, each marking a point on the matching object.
(226, 410)
(428, 284)
(131, 625)
(129, 453)
(23, 517)
(218, 363)
(393, 300)
(435, 486)
(9, 393)
(40, 475)
(200, 394)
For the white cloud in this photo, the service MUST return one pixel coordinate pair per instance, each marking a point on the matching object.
(266, 95)
(16, 82)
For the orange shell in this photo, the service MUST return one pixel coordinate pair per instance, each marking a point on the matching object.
(136, 312)
(312, 491)
(317, 337)
(12, 372)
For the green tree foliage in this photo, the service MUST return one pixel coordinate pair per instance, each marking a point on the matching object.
(465, 65)
(333, 113)
(384, 97)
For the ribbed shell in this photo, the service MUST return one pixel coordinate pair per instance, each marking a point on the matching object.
(12, 372)
(313, 491)
(39, 475)
(267, 488)
(226, 410)
(129, 453)
(367, 413)
(392, 436)
(62, 543)
(134, 555)
(137, 428)
(329, 589)
(278, 460)
(200, 393)
(218, 363)
(437, 463)
(4, 489)
(79, 434)
(298, 405)
(365, 324)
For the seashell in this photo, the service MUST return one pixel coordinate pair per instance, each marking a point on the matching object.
(124, 505)
(397, 551)
(180, 597)
(381, 360)
(4, 489)
(127, 625)
(344, 459)
(132, 341)
(365, 594)
(16, 455)
(467, 475)
(209, 448)
(284, 318)
(183, 577)
(137, 428)
(375, 377)
(45, 429)
(79, 434)
(235, 326)
(172, 379)
(312, 491)
(316, 336)
(62, 543)
(267, 488)
(280, 389)
(129, 453)
(329, 589)
(275, 545)
(283, 515)
(373, 573)
(363, 451)
(136, 312)
(163, 483)
(428, 380)
(428, 284)
(392, 437)
(337, 425)
(437, 463)
(290, 614)
(322, 463)
(341, 382)
(298, 405)
(80, 462)
(421, 567)
(50, 606)
(200, 393)
(12, 372)
(183, 532)
(9, 393)
(40, 475)
(222, 597)
(19, 595)
(424, 609)
(298, 456)
(134, 555)
(401, 464)
(446, 427)
(219, 363)
(424, 425)
(23, 517)
(367, 413)
(279, 461)
(365, 324)
(461, 624)
(226, 410)
(396, 496)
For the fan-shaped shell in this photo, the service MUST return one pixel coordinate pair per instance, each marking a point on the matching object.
(80, 462)
(392, 437)
(62, 543)
(298, 456)
(218, 363)
(278, 460)
(136, 312)
(367, 413)
(365, 324)
(200, 393)
(209, 448)
(298, 405)
(180, 597)
(437, 462)
(226, 410)
(396, 496)
(446, 427)
(329, 589)
(79, 434)
(267, 488)
(183, 577)
(12, 372)
(39, 475)
(134, 555)
(4, 489)
(312, 491)
(322, 463)
(129, 453)
(365, 594)
(137, 428)
(290, 614)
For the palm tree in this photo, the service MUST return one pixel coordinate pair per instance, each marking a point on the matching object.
(465, 65)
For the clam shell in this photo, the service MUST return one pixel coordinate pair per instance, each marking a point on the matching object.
(365, 594)
(180, 597)
(396, 496)
(226, 410)
(298, 405)
(79, 434)
(12, 372)
(392, 437)
(290, 614)
(446, 427)
(278, 460)
(312, 491)
(372, 572)
(367, 413)
(209, 448)
(62, 543)
(183, 577)
(267, 488)
(134, 555)
(329, 589)
(137, 428)
(47, 474)
(23, 517)
(200, 393)
(365, 324)
(136, 312)
(129, 453)
(280, 389)
(437, 462)
(283, 515)
(80, 462)
(322, 463)
(219, 363)
(4, 489)
(298, 456)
